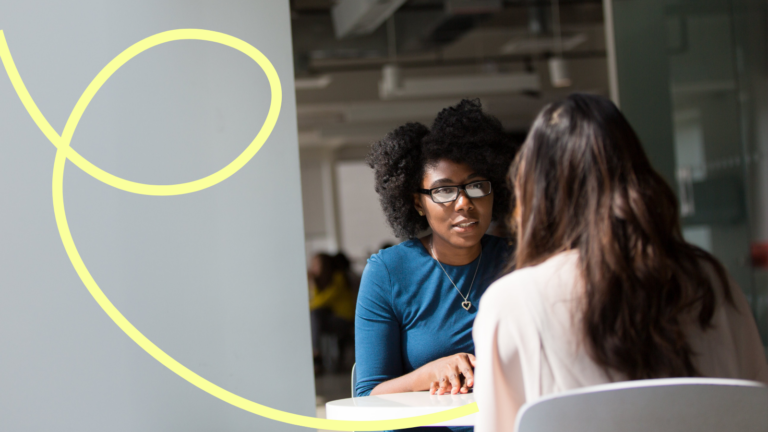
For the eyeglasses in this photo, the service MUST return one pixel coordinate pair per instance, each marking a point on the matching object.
(445, 194)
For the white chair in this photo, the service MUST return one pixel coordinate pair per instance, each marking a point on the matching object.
(660, 405)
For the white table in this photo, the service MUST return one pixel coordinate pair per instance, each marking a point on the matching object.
(399, 405)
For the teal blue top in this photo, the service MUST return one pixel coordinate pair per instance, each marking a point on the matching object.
(409, 314)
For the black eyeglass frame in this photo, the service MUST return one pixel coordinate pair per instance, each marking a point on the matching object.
(458, 191)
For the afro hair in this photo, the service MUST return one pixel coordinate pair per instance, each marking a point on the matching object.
(462, 134)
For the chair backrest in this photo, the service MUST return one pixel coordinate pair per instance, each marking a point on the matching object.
(354, 380)
(668, 405)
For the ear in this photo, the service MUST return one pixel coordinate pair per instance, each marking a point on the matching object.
(417, 204)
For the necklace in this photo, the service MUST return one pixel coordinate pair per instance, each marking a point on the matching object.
(466, 304)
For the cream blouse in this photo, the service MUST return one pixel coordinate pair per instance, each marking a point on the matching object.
(528, 342)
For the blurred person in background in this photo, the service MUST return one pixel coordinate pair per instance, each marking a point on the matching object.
(605, 288)
(331, 305)
(440, 189)
(341, 263)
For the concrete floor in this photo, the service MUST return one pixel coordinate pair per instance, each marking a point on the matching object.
(330, 387)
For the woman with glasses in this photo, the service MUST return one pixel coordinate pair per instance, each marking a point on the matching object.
(439, 189)
(605, 288)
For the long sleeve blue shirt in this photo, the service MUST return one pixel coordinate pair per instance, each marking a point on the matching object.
(409, 314)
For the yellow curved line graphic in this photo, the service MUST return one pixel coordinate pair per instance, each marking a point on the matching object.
(64, 152)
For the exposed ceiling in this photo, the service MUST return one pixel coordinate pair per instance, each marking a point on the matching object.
(338, 96)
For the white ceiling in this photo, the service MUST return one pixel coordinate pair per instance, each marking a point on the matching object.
(349, 112)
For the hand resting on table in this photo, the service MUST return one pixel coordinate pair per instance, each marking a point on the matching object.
(452, 374)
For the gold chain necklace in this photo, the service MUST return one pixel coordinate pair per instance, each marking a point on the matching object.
(466, 304)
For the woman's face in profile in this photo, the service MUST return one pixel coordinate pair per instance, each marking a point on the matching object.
(462, 222)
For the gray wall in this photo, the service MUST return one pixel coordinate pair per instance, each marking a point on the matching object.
(214, 278)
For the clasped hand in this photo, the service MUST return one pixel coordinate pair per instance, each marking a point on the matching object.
(454, 374)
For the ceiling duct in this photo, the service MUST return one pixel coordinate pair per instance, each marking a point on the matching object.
(361, 17)
(394, 86)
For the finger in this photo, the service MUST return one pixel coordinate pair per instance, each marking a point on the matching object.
(464, 388)
(433, 387)
(443, 385)
(455, 380)
(465, 366)
(472, 359)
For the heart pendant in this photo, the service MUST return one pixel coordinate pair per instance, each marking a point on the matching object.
(466, 304)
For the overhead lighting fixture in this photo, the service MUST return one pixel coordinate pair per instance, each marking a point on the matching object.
(558, 68)
(394, 86)
(390, 80)
(313, 83)
(558, 72)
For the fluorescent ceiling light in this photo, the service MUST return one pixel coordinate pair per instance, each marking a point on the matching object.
(313, 83)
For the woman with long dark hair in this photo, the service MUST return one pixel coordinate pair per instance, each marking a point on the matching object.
(606, 289)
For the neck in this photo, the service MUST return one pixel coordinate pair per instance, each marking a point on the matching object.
(449, 254)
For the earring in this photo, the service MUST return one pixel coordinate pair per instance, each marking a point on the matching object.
(421, 213)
